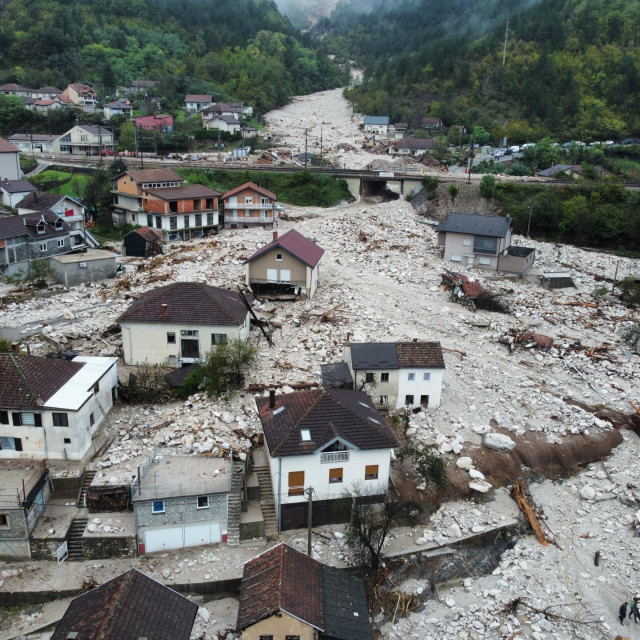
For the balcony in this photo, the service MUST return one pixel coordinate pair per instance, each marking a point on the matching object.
(252, 206)
(332, 457)
(292, 283)
(234, 217)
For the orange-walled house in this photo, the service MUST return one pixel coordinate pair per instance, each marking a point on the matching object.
(248, 206)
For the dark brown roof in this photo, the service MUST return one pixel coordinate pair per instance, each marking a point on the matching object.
(281, 579)
(17, 186)
(129, 607)
(148, 234)
(40, 201)
(27, 382)
(250, 185)
(178, 193)
(295, 244)
(26, 225)
(349, 415)
(415, 143)
(188, 303)
(153, 175)
(7, 147)
(420, 354)
(197, 97)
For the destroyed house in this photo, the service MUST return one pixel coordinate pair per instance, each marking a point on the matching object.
(327, 440)
(287, 594)
(397, 374)
(289, 264)
(52, 408)
(483, 242)
(130, 606)
(179, 323)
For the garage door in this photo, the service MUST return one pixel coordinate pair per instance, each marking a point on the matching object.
(192, 535)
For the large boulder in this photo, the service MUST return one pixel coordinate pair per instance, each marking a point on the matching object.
(499, 442)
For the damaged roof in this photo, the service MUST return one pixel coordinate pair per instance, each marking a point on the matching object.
(129, 607)
(295, 244)
(395, 355)
(476, 224)
(285, 580)
(190, 303)
(27, 382)
(349, 415)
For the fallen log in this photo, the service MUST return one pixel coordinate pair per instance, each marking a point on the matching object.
(522, 502)
(462, 353)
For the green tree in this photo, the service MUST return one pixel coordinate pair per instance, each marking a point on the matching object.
(127, 138)
(454, 190)
(428, 463)
(40, 272)
(488, 186)
(481, 135)
(97, 195)
(430, 185)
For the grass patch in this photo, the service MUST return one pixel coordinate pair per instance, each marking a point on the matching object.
(62, 182)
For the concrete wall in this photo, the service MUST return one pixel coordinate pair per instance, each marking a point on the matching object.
(514, 264)
(378, 388)
(258, 267)
(71, 274)
(18, 252)
(419, 386)
(14, 539)
(459, 250)
(147, 341)
(181, 510)
(279, 627)
(104, 547)
(10, 166)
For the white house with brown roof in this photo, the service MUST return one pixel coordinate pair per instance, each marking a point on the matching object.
(52, 408)
(289, 264)
(414, 147)
(333, 441)
(121, 107)
(196, 102)
(397, 374)
(12, 191)
(9, 161)
(85, 139)
(82, 96)
(179, 323)
(248, 206)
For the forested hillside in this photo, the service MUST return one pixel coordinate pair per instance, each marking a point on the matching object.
(572, 67)
(243, 49)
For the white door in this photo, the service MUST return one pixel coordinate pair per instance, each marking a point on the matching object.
(285, 275)
(272, 275)
(197, 534)
(163, 539)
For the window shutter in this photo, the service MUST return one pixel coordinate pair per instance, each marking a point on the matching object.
(38, 419)
(17, 419)
(4, 417)
(18, 443)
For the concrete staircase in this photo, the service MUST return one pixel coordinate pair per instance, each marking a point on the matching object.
(235, 505)
(86, 482)
(267, 503)
(74, 538)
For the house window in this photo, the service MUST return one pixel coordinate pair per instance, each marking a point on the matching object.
(4, 520)
(424, 401)
(189, 333)
(60, 420)
(384, 377)
(92, 420)
(305, 435)
(370, 377)
(96, 388)
(408, 400)
(27, 419)
(384, 400)
(411, 377)
(371, 472)
(296, 483)
(218, 338)
(248, 200)
(173, 207)
(484, 260)
(158, 222)
(40, 228)
(198, 219)
(210, 219)
(4, 417)
(203, 502)
(186, 222)
(426, 376)
(456, 257)
(466, 242)
(11, 444)
(335, 476)
(60, 243)
(67, 440)
(278, 256)
(173, 223)
(171, 337)
(485, 244)
(149, 221)
(157, 506)
(43, 246)
(209, 205)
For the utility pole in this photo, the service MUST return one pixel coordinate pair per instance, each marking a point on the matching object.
(529, 223)
(471, 154)
(320, 145)
(305, 148)
(615, 278)
(506, 36)
(309, 491)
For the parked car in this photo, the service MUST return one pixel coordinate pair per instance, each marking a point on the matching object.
(278, 207)
(629, 141)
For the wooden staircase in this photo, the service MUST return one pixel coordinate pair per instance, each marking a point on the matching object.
(267, 503)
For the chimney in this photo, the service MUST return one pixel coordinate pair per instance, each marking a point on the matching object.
(272, 398)
(275, 235)
(165, 311)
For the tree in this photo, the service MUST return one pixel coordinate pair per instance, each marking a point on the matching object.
(127, 137)
(488, 186)
(430, 185)
(631, 336)
(97, 195)
(630, 291)
(223, 370)
(5, 345)
(454, 190)
(428, 463)
(481, 135)
(39, 273)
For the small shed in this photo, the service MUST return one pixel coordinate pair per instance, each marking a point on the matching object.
(72, 269)
(142, 243)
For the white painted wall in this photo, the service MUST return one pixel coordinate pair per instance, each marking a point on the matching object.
(9, 166)
(418, 387)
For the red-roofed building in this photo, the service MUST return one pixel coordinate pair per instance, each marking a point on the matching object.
(82, 96)
(287, 265)
(162, 123)
(248, 206)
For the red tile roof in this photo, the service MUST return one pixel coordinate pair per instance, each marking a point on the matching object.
(129, 607)
(148, 234)
(7, 147)
(254, 187)
(420, 354)
(197, 97)
(326, 414)
(178, 193)
(297, 245)
(27, 382)
(153, 175)
(281, 579)
(188, 303)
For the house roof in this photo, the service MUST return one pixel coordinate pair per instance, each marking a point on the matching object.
(10, 86)
(285, 580)
(519, 252)
(144, 83)
(7, 147)
(420, 354)
(95, 129)
(153, 175)
(476, 224)
(119, 104)
(415, 143)
(396, 355)
(26, 225)
(336, 375)
(376, 120)
(556, 168)
(281, 579)
(178, 193)
(39, 201)
(198, 97)
(17, 186)
(82, 88)
(227, 119)
(48, 90)
(349, 415)
(297, 245)
(188, 303)
(431, 121)
(250, 185)
(145, 232)
(220, 107)
(27, 382)
(35, 137)
(129, 607)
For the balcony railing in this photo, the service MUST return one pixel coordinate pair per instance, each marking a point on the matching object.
(293, 283)
(256, 205)
(334, 456)
(488, 252)
(234, 217)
